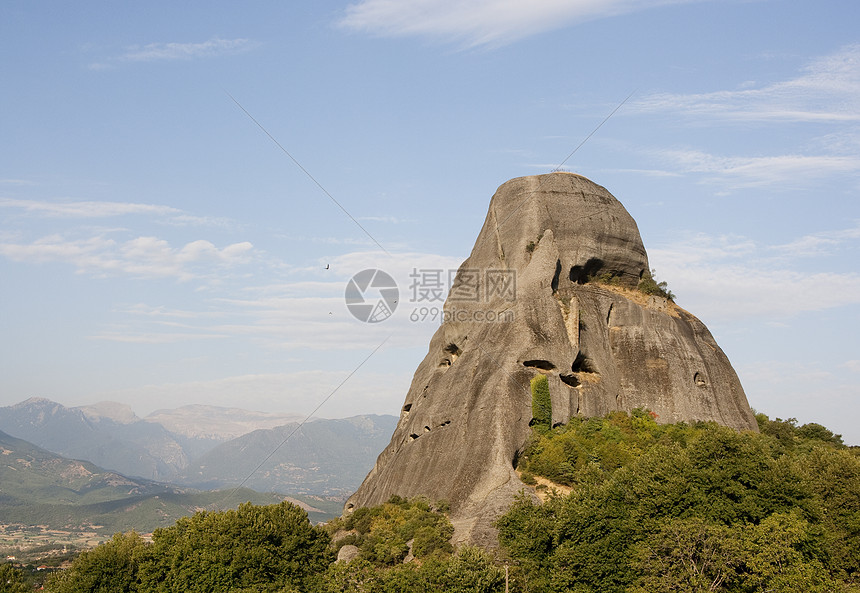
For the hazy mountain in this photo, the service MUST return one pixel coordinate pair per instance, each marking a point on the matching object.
(107, 434)
(33, 475)
(215, 423)
(329, 457)
(38, 487)
(192, 445)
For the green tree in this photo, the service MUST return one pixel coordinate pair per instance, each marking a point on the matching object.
(12, 580)
(265, 548)
(687, 555)
(775, 560)
(834, 477)
(649, 285)
(112, 567)
(541, 402)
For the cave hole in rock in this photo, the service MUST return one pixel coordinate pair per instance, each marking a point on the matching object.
(554, 283)
(582, 364)
(450, 352)
(350, 506)
(446, 423)
(543, 365)
(582, 274)
(571, 380)
(407, 407)
(426, 429)
(413, 436)
(516, 460)
(699, 380)
(609, 313)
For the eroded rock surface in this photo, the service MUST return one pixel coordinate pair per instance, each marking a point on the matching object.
(603, 347)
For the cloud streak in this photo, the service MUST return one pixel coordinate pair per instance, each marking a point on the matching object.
(474, 23)
(754, 281)
(827, 90)
(789, 170)
(281, 316)
(86, 209)
(171, 52)
(142, 257)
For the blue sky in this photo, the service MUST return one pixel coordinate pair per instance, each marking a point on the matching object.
(158, 248)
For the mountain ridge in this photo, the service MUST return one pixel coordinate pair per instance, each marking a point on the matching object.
(111, 436)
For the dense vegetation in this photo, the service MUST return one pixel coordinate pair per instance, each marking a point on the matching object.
(276, 549)
(386, 534)
(688, 508)
(654, 508)
(12, 580)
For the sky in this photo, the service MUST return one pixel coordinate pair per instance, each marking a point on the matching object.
(187, 188)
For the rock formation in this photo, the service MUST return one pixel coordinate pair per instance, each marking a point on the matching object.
(550, 287)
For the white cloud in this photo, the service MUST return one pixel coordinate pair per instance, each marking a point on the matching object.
(723, 278)
(86, 209)
(827, 90)
(153, 338)
(142, 257)
(482, 22)
(282, 315)
(390, 219)
(95, 209)
(790, 171)
(852, 365)
(818, 244)
(153, 52)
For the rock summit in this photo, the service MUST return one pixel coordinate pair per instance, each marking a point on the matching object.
(550, 287)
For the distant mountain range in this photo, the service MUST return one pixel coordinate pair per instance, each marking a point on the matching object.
(206, 446)
(40, 488)
(328, 457)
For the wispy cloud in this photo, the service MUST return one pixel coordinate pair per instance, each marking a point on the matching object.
(155, 52)
(819, 244)
(124, 337)
(475, 23)
(789, 170)
(728, 278)
(93, 210)
(388, 219)
(86, 209)
(826, 90)
(305, 302)
(142, 257)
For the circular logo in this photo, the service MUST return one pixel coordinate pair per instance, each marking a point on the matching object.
(371, 296)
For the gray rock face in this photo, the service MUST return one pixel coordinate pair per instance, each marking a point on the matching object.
(603, 346)
(347, 553)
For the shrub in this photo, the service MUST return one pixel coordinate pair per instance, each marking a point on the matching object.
(541, 402)
(649, 285)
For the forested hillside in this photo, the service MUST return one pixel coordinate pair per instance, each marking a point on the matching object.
(652, 508)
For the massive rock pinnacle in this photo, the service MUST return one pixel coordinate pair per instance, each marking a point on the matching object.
(528, 301)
